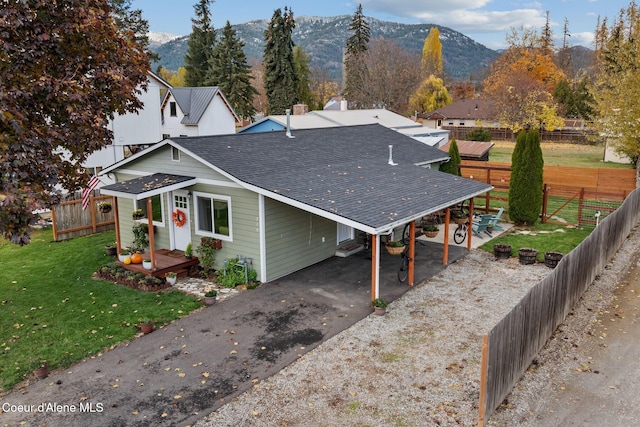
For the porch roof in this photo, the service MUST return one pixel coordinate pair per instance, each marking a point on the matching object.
(147, 186)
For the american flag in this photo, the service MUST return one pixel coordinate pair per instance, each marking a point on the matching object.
(86, 192)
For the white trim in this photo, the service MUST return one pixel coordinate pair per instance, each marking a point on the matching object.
(219, 183)
(196, 216)
(175, 150)
(377, 258)
(263, 238)
(162, 211)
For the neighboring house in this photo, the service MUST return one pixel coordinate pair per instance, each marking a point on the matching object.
(301, 119)
(197, 111)
(285, 201)
(465, 113)
(471, 150)
(133, 131)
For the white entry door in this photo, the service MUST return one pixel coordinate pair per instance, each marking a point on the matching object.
(182, 234)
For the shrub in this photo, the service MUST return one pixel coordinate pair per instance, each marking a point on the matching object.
(207, 253)
(479, 134)
(452, 165)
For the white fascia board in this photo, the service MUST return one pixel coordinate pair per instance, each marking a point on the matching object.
(151, 193)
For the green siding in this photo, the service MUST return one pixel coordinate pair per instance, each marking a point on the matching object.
(294, 239)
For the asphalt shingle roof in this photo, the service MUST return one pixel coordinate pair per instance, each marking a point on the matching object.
(342, 171)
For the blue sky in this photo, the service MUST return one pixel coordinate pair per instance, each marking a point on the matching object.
(486, 21)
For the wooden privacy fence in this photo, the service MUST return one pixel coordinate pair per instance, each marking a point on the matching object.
(510, 347)
(69, 220)
(576, 136)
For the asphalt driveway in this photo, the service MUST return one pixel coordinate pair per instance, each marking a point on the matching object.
(184, 370)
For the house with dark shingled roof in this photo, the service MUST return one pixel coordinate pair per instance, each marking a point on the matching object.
(286, 200)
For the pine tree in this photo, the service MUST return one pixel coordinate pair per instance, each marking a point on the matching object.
(231, 73)
(357, 45)
(432, 55)
(525, 186)
(280, 78)
(200, 45)
(303, 70)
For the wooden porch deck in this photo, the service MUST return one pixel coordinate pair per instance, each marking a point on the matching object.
(166, 261)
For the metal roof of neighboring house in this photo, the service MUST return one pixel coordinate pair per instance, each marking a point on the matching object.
(467, 109)
(341, 173)
(470, 149)
(194, 101)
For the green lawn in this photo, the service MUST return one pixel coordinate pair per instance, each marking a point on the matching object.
(53, 310)
(555, 154)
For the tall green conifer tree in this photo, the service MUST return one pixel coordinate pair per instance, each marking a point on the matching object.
(357, 45)
(280, 80)
(231, 73)
(200, 45)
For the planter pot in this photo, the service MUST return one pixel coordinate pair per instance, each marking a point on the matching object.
(379, 311)
(146, 328)
(41, 372)
(172, 280)
(105, 210)
(551, 259)
(146, 265)
(502, 251)
(527, 255)
(209, 300)
(121, 257)
(395, 250)
(460, 221)
(111, 250)
(430, 234)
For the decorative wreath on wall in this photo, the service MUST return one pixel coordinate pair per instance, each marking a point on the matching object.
(179, 218)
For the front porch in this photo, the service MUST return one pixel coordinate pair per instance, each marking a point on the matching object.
(166, 261)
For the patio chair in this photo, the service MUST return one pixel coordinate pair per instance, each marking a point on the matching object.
(494, 220)
(480, 226)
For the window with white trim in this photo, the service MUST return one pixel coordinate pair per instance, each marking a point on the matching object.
(175, 154)
(213, 215)
(157, 208)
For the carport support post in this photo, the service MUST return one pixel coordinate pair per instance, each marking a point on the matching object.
(470, 225)
(152, 242)
(445, 253)
(412, 253)
(375, 262)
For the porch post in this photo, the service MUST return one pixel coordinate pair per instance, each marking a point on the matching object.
(152, 250)
(470, 225)
(445, 253)
(412, 253)
(116, 218)
(375, 260)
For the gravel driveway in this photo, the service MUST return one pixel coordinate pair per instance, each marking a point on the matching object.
(420, 364)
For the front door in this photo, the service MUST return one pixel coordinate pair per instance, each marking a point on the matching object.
(181, 217)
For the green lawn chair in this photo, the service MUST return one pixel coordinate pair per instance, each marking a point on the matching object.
(494, 220)
(480, 226)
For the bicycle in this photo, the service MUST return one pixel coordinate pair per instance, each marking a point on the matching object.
(403, 272)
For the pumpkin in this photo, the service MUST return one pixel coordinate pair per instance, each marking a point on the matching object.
(127, 260)
(136, 258)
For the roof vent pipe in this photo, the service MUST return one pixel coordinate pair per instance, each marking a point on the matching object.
(288, 111)
(391, 162)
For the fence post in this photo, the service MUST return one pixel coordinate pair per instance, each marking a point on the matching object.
(545, 194)
(487, 194)
(580, 200)
(484, 365)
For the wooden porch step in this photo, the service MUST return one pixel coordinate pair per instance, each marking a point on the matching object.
(182, 272)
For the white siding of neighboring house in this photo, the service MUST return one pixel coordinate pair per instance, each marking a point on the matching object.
(216, 120)
(143, 127)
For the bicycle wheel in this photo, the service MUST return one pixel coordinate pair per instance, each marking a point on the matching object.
(405, 234)
(460, 234)
(403, 272)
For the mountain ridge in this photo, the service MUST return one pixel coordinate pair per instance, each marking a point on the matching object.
(323, 39)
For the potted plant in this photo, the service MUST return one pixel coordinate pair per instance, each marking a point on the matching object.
(171, 277)
(430, 230)
(210, 295)
(40, 368)
(146, 326)
(551, 258)
(460, 217)
(124, 254)
(379, 306)
(138, 214)
(527, 255)
(501, 251)
(146, 263)
(188, 252)
(104, 206)
(395, 247)
(111, 249)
